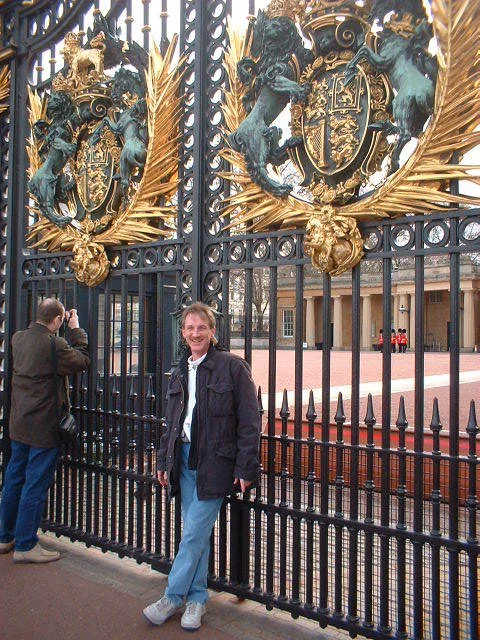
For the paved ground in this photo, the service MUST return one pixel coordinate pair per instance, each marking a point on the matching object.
(88, 595)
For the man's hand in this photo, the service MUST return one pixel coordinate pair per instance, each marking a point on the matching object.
(244, 484)
(72, 319)
(162, 477)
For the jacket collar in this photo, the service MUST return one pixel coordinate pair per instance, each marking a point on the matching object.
(37, 326)
(207, 362)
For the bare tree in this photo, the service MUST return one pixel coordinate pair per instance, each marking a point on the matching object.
(260, 295)
(260, 287)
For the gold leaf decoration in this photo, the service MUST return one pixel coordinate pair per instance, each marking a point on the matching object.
(333, 242)
(160, 176)
(4, 88)
(152, 200)
(414, 188)
(36, 112)
(421, 185)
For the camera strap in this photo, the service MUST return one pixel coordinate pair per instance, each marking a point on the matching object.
(53, 352)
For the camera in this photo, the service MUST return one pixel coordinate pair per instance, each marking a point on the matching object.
(67, 317)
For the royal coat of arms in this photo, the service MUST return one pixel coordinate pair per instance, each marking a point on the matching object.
(361, 79)
(103, 161)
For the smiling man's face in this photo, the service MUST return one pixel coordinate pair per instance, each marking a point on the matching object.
(198, 334)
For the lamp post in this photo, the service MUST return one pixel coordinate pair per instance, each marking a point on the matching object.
(403, 309)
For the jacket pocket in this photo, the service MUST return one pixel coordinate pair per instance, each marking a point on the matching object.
(174, 398)
(226, 450)
(220, 399)
(174, 389)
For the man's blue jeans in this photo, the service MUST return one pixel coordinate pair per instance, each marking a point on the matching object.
(29, 474)
(188, 576)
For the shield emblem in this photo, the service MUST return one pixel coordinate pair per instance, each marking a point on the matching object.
(335, 120)
(94, 170)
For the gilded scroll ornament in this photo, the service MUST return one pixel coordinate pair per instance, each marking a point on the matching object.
(333, 242)
(103, 149)
(361, 82)
(4, 88)
(90, 262)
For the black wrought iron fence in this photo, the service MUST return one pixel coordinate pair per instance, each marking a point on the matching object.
(366, 513)
(365, 519)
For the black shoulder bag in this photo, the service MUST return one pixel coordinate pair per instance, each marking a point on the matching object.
(66, 423)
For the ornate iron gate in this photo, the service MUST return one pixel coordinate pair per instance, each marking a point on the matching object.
(376, 533)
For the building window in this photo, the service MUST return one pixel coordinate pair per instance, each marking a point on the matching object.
(112, 334)
(288, 323)
(435, 297)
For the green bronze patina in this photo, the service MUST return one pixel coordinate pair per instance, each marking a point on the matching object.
(271, 82)
(56, 147)
(403, 56)
(340, 114)
(92, 144)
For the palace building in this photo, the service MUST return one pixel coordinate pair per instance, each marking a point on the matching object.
(436, 306)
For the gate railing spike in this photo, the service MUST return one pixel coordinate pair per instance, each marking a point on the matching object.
(435, 423)
(402, 422)
(261, 410)
(311, 413)
(340, 414)
(284, 411)
(370, 419)
(472, 425)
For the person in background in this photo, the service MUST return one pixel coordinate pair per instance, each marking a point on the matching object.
(34, 426)
(209, 448)
(393, 341)
(380, 340)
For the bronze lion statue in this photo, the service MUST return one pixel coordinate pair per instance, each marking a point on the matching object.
(56, 147)
(270, 77)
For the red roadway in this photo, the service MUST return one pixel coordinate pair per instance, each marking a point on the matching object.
(403, 366)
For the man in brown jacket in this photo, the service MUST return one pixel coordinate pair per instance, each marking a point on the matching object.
(34, 425)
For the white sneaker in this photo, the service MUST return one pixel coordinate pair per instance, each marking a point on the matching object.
(192, 617)
(159, 611)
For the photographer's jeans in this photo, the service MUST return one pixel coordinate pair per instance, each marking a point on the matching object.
(188, 576)
(30, 472)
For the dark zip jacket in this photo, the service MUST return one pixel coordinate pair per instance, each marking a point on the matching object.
(225, 427)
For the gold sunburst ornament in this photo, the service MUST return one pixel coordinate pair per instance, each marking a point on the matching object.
(356, 98)
(103, 153)
(4, 88)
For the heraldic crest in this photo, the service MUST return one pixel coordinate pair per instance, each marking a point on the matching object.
(361, 83)
(103, 149)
